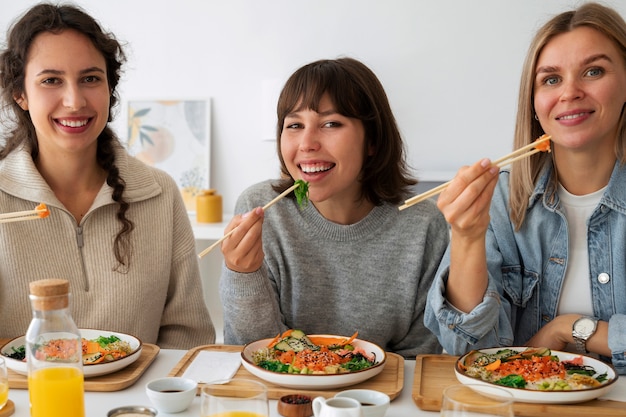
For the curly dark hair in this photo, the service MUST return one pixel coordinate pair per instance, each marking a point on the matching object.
(55, 19)
(356, 92)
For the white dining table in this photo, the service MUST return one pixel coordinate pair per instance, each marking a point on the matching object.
(97, 404)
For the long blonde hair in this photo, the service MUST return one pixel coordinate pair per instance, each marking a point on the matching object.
(524, 173)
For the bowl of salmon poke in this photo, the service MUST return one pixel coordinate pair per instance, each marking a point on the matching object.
(294, 359)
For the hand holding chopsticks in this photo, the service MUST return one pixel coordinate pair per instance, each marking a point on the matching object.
(39, 212)
(301, 195)
(540, 145)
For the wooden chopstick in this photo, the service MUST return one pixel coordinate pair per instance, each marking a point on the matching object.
(17, 216)
(265, 207)
(521, 153)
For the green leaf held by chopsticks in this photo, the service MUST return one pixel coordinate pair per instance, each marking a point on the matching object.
(302, 193)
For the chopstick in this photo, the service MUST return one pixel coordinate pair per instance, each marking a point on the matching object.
(265, 207)
(39, 212)
(542, 144)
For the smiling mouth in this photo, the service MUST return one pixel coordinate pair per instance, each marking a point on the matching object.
(73, 123)
(573, 116)
(315, 168)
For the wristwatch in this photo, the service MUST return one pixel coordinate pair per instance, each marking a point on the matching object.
(582, 330)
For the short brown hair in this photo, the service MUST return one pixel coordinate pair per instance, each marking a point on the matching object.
(357, 93)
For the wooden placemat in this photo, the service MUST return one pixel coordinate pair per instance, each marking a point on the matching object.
(435, 372)
(390, 380)
(8, 409)
(116, 381)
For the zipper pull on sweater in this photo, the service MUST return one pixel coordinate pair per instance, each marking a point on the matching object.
(79, 237)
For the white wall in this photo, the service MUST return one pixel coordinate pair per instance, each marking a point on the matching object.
(450, 67)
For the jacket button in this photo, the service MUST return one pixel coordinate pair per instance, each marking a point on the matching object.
(603, 278)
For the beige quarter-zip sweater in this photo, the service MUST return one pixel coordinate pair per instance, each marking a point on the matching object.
(158, 300)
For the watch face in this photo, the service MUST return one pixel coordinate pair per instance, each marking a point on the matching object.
(584, 326)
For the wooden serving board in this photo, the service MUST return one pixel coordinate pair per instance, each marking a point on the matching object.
(390, 380)
(116, 381)
(433, 373)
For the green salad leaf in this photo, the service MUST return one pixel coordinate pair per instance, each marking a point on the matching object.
(302, 193)
(513, 380)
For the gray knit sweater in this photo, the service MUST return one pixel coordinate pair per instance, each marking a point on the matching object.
(159, 300)
(325, 278)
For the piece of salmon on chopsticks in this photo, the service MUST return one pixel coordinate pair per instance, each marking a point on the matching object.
(542, 144)
(40, 212)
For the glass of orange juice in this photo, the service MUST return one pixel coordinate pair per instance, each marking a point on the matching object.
(4, 383)
(237, 397)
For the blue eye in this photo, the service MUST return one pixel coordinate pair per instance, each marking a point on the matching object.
(595, 72)
(551, 80)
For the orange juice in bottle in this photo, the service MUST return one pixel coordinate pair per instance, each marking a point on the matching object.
(47, 386)
(54, 353)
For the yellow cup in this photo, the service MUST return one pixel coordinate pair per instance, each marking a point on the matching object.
(4, 383)
(209, 207)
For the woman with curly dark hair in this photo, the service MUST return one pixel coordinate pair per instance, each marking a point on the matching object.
(349, 260)
(118, 229)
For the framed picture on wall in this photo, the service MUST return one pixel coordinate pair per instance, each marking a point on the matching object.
(173, 135)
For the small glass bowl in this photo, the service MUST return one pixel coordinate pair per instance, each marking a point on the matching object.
(132, 411)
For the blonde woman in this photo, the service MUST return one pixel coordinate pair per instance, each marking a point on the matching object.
(538, 252)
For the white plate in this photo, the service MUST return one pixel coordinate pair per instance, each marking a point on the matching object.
(90, 370)
(315, 381)
(548, 397)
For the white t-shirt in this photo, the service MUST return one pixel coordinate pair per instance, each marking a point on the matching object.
(576, 293)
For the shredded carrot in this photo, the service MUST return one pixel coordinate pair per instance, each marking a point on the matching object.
(274, 341)
(351, 339)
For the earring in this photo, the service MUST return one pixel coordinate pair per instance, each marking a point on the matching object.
(536, 117)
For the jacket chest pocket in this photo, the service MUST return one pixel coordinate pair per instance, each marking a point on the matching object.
(519, 285)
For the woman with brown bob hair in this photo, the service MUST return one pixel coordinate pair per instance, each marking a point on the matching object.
(349, 260)
(59, 74)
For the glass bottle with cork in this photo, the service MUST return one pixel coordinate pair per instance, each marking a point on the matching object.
(54, 353)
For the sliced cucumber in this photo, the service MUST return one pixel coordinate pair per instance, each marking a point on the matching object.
(297, 334)
(297, 344)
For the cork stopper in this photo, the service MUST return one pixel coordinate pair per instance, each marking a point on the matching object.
(50, 294)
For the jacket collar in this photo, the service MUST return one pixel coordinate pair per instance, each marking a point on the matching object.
(614, 197)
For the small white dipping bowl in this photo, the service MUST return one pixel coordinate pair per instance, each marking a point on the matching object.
(373, 403)
(171, 394)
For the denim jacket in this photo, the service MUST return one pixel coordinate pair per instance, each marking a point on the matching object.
(527, 268)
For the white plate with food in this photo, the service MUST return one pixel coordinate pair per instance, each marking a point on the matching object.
(297, 360)
(537, 375)
(104, 352)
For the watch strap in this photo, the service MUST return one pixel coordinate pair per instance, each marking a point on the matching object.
(581, 345)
